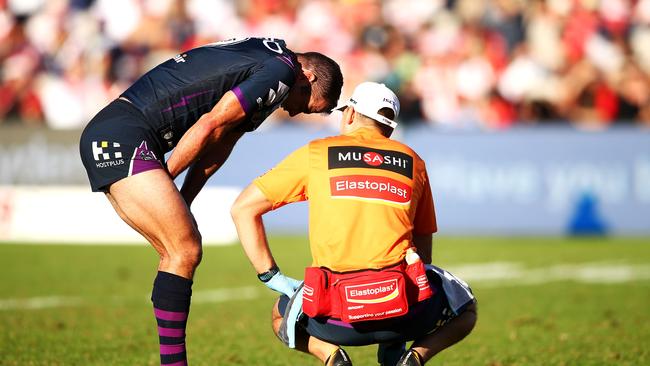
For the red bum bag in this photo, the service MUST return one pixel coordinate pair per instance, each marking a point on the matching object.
(364, 295)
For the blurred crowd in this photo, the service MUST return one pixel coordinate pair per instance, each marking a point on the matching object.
(487, 64)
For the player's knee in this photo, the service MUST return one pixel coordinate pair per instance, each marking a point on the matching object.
(473, 310)
(188, 251)
(196, 253)
(276, 318)
(469, 316)
(197, 235)
(192, 255)
(188, 258)
(275, 312)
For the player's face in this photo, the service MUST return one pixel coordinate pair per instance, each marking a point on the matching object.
(302, 100)
(298, 99)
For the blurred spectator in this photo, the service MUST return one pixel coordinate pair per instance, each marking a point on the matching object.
(487, 64)
(633, 90)
(20, 61)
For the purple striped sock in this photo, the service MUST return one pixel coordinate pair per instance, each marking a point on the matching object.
(171, 300)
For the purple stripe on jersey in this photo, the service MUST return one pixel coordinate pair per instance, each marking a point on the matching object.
(171, 332)
(170, 349)
(140, 166)
(340, 323)
(176, 316)
(185, 100)
(242, 99)
(286, 60)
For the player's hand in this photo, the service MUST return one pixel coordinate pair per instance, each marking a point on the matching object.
(283, 284)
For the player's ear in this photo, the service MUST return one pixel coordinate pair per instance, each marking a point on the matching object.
(348, 115)
(309, 75)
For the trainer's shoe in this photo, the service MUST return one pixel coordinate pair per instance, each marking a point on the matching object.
(410, 358)
(338, 358)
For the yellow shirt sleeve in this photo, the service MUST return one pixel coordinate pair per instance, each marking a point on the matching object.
(287, 181)
(425, 215)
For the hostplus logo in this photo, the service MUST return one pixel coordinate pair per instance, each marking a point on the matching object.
(363, 157)
(180, 58)
(107, 154)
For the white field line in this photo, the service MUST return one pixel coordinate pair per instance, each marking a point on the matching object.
(227, 294)
(41, 302)
(198, 297)
(478, 275)
(502, 274)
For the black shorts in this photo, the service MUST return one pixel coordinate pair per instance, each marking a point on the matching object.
(118, 143)
(422, 318)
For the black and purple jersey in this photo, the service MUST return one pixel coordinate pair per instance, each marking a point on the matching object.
(175, 94)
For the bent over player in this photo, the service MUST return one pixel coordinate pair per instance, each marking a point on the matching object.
(198, 103)
(371, 220)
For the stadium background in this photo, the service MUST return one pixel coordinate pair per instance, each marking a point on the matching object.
(532, 117)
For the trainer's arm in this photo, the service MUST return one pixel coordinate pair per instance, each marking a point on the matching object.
(423, 244)
(247, 214)
(208, 164)
(208, 131)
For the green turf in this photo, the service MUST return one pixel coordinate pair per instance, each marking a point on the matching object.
(556, 323)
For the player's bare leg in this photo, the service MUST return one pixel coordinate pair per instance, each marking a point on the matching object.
(446, 336)
(151, 204)
(125, 218)
(326, 352)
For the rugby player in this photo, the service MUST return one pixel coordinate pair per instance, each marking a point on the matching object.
(371, 220)
(198, 103)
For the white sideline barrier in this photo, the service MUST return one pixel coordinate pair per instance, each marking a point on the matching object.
(74, 214)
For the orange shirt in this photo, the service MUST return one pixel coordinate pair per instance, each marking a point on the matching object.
(367, 195)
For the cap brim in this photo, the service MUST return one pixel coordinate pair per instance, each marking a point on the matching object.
(340, 108)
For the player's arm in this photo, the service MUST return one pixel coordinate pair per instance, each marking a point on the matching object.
(424, 224)
(423, 244)
(207, 165)
(285, 183)
(209, 131)
(247, 214)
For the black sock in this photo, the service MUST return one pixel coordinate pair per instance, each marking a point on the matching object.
(171, 305)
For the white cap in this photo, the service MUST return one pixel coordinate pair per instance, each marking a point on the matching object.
(368, 98)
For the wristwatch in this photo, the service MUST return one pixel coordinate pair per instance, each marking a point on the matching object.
(266, 276)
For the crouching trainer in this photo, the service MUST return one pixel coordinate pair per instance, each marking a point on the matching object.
(371, 220)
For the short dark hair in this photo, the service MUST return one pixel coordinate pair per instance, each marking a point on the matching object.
(329, 79)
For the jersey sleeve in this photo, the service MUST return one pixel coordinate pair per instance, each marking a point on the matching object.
(425, 215)
(265, 89)
(287, 181)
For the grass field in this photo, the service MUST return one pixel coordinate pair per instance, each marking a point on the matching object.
(542, 301)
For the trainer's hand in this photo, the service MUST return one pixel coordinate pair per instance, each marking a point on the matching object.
(283, 284)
